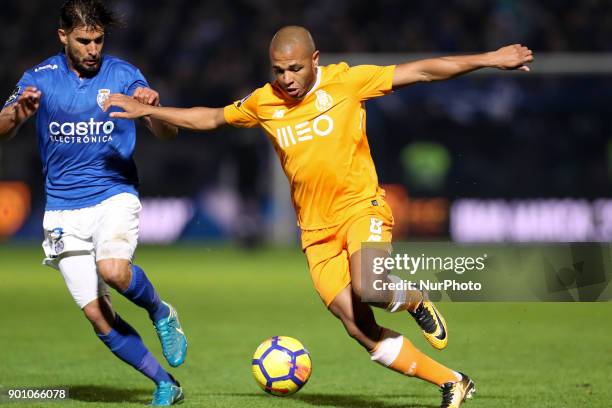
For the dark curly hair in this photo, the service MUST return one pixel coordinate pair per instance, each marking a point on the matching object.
(87, 13)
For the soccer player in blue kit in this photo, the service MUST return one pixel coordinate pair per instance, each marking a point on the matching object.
(92, 206)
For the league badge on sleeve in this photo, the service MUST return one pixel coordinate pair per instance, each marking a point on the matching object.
(13, 96)
(103, 95)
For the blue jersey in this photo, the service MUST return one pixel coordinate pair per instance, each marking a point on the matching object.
(86, 155)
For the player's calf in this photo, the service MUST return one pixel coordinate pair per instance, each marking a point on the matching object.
(141, 292)
(100, 314)
(164, 317)
(131, 281)
(389, 348)
(357, 317)
(125, 343)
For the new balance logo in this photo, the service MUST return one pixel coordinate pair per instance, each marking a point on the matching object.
(48, 66)
(302, 132)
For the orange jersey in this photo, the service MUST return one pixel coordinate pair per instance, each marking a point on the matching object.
(321, 140)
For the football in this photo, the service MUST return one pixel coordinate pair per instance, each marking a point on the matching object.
(281, 365)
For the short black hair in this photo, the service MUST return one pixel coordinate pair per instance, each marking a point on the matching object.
(86, 13)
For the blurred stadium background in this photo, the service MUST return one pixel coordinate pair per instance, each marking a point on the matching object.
(490, 157)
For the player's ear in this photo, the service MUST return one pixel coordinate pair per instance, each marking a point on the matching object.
(315, 58)
(63, 37)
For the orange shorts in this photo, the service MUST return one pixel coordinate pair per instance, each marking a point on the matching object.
(328, 250)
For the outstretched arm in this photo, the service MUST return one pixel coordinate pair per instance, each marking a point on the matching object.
(511, 57)
(13, 116)
(198, 118)
(159, 128)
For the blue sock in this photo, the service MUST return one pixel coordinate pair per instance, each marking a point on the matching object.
(126, 344)
(142, 293)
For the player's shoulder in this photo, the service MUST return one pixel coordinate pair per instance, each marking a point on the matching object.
(338, 69)
(259, 95)
(342, 68)
(119, 64)
(46, 68)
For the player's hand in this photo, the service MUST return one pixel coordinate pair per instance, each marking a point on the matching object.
(27, 104)
(514, 56)
(147, 96)
(132, 108)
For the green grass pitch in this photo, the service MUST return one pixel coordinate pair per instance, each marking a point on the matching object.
(519, 354)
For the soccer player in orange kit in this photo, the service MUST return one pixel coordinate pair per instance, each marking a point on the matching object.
(314, 116)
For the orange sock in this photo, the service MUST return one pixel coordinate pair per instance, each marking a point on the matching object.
(397, 352)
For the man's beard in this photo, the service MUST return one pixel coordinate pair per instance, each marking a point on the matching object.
(83, 70)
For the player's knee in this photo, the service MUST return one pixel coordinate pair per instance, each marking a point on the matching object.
(116, 274)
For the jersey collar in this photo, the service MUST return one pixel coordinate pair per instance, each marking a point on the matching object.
(316, 84)
(64, 64)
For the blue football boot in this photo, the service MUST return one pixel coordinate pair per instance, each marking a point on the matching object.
(172, 338)
(167, 393)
